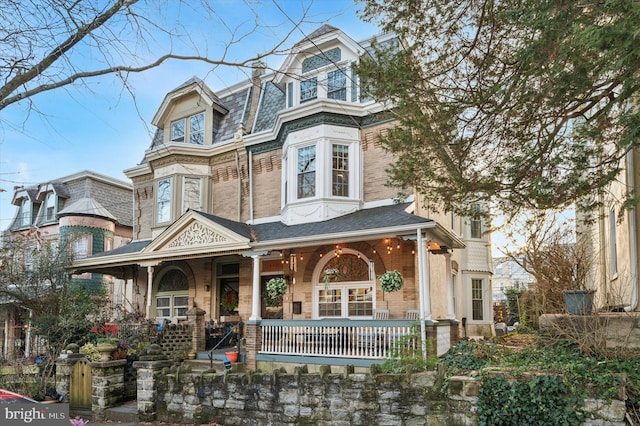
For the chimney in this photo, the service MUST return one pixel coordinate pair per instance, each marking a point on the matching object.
(258, 70)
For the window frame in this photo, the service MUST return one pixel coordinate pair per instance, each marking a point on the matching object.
(186, 203)
(309, 93)
(304, 188)
(50, 198)
(199, 132)
(342, 89)
(336, 160)
(172, 296)
(183, 131)
(82, 238)
(164, 203)
(26, 214)
(476, 224)
(477, 301)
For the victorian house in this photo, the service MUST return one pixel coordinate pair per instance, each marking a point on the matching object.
(283, 176)
(92, 212)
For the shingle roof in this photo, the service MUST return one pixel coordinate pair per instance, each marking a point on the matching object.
(132, 247)
(362, 220)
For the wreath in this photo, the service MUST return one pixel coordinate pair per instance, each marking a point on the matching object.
(276, 288)
(230, 301)
(390, 281)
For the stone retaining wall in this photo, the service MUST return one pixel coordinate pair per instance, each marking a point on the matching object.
(325, 398)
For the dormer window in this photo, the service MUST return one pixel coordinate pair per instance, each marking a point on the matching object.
(26, 216)
(309, 89)
(50, 207)
(194, 133)
(337, 84)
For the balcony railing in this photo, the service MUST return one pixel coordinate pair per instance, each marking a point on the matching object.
(367, 339)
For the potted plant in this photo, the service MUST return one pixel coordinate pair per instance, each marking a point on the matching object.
(276, 288)
(390, 281)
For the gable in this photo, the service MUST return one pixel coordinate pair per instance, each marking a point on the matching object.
(194, 233)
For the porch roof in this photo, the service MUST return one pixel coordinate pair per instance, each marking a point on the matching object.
(389, 220)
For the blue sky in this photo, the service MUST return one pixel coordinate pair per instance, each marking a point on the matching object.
(99, 127)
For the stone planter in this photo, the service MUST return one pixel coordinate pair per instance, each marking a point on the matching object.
(105, 350)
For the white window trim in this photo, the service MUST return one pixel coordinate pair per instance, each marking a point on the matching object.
(344, 285)
(487, 299)
(323, 171)
(186, 137)
(322, 74)
(171, 295)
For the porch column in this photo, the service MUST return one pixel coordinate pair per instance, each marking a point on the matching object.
(149, 289)
(451, 314)
(423, 278)
(255, 294)
(423, 290)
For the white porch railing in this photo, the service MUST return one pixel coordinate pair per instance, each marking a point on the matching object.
(338, 338)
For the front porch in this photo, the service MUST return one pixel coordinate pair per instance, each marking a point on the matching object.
(348, 342)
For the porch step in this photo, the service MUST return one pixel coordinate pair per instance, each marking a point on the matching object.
(127, 412)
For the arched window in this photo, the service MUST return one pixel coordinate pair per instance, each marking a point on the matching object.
(345, 286)
(172, 297)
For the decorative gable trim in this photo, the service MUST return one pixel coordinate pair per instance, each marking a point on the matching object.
(193, 232)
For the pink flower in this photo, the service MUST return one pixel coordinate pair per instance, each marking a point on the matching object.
(78, 422)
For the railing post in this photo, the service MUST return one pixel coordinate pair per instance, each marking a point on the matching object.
(253, 339)
(196, 319)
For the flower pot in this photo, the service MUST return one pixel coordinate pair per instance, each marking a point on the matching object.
(192, 355)
(579, 302)
(232, 356)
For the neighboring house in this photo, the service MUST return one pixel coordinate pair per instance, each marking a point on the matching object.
(508, 273)
(283, 175)
(612, 233)
(91, 211)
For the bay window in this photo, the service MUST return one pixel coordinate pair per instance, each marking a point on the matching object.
(163, 203)
(340, 170)
(477, 299)
(307, 172)
(191, 194)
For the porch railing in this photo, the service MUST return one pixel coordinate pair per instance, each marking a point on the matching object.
(371, 339)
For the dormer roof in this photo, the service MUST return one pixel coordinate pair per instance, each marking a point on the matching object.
(189, 87)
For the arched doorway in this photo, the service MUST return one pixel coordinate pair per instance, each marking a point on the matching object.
(344, 286)
(172, 296)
